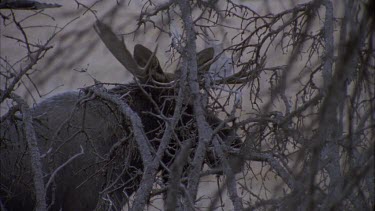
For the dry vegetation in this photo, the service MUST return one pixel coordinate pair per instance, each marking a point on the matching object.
(296, 82)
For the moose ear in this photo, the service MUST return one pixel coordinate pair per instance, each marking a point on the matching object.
(118, 49)
(203, 57)
(142, 55)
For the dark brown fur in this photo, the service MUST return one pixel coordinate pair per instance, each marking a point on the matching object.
(110, 168)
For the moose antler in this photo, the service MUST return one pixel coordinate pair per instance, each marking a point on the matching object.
(118, 49)
(144, 65)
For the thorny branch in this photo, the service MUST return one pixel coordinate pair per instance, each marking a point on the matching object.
(303, 106)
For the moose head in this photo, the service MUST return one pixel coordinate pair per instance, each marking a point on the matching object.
(88, 143)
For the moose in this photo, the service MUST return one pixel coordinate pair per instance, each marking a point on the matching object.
(109, 168)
